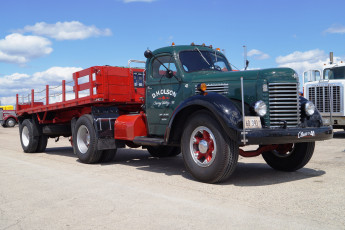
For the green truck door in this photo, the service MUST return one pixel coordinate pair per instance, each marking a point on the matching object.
(163, 93)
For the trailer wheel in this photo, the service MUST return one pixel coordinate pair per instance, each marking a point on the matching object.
(108, 155)
(85, 141)
(290, 159)
(28, 141)
(42, 144)
(163, 151)
(10, 122)
(209, 155)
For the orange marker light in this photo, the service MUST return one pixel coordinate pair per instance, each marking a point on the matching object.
(173, 44)
(202, 87)
(218, 49)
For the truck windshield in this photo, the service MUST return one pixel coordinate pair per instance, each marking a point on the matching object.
(335, 73)
(197, 60)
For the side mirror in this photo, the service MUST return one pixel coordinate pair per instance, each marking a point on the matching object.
(148, 54)
(247, 64)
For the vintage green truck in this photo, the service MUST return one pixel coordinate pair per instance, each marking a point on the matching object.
(187, 99)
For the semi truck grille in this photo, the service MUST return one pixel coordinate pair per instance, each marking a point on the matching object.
(322, 96)
(284, 105)
(216, 88)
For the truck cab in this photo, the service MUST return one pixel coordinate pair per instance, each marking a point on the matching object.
(327, 94)
(195, 101)
(8, 117)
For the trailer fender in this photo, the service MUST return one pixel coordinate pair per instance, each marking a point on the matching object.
(223, 109)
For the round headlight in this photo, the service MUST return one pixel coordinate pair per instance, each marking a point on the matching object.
(260, 108)
(309, 108)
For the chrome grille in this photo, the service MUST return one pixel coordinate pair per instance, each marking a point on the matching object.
(217, 88)
(284, 104)
(321, 96)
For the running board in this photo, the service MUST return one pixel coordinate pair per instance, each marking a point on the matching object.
(148, 141)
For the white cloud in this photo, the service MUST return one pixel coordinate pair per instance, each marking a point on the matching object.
(73, 30)
(54, 75)
(336, 29)
(18, 48)
(8, 100)
(297, 56)
(22, 84)
(303, 61)
(129, 1)
(257, 54)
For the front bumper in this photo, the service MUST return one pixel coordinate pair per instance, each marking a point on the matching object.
(285, 136)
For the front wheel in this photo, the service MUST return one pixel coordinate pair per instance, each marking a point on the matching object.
(290, 157)
(11, 122)
(209, 155)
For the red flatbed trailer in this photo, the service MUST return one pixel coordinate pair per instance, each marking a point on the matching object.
(94, 86)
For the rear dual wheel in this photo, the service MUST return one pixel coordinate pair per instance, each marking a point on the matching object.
(31, 143)
(85, 143)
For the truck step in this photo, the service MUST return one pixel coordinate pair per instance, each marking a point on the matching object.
(148, 141)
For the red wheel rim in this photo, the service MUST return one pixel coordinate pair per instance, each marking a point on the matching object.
(203, 146)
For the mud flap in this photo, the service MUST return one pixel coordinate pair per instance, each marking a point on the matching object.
(103, 121)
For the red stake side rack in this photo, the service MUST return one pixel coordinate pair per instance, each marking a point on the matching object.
(93, 86)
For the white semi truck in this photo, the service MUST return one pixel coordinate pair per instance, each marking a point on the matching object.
(325, 88)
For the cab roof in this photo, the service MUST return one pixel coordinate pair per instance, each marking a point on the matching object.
(177, 49)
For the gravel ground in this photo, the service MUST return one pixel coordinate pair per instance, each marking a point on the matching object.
(53, 190)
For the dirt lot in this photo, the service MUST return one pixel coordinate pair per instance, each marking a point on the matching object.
(53, 190)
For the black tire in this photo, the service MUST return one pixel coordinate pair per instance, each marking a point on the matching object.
(10, 122)
(4, 125)
(42, 144)
(85, 140)
(28, 141)
(163, 151)
(108, 155)
(220, 155)
(292, 160)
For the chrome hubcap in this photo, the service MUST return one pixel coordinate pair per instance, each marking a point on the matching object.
(202, 146)
(11, 123)
(25, 136)
(83, 139)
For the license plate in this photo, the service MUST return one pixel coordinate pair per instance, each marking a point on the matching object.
(252, 122)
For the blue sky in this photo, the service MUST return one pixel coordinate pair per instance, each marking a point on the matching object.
(43, 42)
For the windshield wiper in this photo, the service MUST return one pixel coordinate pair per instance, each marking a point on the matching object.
(202, 56)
